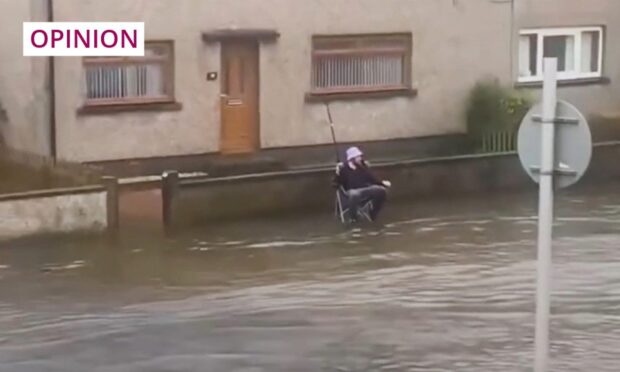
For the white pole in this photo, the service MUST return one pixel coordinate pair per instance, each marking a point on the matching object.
(545, 214)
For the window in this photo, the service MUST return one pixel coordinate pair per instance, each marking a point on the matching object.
(361, 64)
(579, 52)
(131, 80)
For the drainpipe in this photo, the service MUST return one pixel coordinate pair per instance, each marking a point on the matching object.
(513, 46)
(52, 89)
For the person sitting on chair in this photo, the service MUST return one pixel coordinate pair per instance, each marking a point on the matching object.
(360, 184)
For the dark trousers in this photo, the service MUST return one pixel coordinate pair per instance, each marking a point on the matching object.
(377, 194)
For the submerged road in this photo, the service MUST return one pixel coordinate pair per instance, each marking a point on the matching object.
(441, 286)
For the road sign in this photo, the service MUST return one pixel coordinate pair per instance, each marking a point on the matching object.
(555, 148)
(573, 144)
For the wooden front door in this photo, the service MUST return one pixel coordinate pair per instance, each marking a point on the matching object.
(239, 98)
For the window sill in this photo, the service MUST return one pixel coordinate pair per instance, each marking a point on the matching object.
(133, 107)
(322, 97)
(566, 83)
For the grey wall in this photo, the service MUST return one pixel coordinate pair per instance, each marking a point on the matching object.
(265, 195)
(54, 214)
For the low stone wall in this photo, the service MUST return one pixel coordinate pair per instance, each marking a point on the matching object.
(192, 201)
(91, 209)
(249, 196)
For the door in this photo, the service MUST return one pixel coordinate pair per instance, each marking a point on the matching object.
(239, 98)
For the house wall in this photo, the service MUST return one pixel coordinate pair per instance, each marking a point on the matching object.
(591, 99)
(451, 51)
(24, 93)
(455, 43)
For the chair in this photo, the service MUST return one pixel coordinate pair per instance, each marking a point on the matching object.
(342, 208)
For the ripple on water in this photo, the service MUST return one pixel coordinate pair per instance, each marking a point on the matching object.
(400, 299)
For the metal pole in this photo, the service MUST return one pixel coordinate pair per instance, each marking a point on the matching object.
(545, 215)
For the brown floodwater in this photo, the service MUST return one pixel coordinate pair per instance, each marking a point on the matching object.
(439, 286)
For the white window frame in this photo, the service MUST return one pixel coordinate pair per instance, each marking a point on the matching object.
(575, 32)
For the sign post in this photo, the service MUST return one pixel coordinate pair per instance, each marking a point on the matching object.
(555, 148)
(545, 215)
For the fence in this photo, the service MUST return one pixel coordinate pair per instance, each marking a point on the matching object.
(497, 142)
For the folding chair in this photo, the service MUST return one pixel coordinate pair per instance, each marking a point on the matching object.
(343, 210)
(342, 204)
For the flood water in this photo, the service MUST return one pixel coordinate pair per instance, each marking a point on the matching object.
(442, 286)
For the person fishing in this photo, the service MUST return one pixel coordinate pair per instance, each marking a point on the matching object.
(360, 184)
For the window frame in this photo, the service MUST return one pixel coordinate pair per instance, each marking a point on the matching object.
(168, 76)
(405, 51)
(577, 33)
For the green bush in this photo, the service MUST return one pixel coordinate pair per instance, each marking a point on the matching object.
(492, 107)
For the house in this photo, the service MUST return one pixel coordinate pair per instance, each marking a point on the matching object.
(228, 77)
(582, 36)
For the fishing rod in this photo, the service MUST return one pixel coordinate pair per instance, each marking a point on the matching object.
(331, 126)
